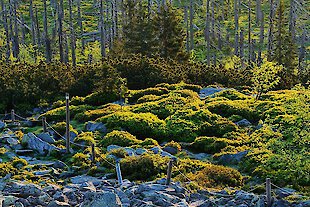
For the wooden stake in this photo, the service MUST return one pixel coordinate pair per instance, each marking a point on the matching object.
(169, 171)
(44, 124)
(67, 124)
(12, 115)
(119, 173)
(268, 192)
(93, 155)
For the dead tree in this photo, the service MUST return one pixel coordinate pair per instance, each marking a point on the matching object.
(72, 35)
(186, 26)
(236, 17)
(249, 32)
(6, 29)
(270, 32)
(261, 40)
(191, 24)
(207, 32)
(60, 32)
(102, 30)
(48, 52)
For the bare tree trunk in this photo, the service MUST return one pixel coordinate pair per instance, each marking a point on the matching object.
(102, 32)
(302, 52)
(249, 32)
(270, 32)
(292, 20)
(80, 21)
(72, 41)
(48, 52)
(236, 11)
(191, 24)
(116, 18)
(258, 11)
(207, 32)
(6, 29)
(241, 44)
(15, 36)
(186, 25)
(213, 21)
(219, 38)
(261, 39)
(37, 27)
(60, 32)
(66, 45)
(23, 29)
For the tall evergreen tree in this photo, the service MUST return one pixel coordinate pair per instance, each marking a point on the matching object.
(285, 50)
(171, 36)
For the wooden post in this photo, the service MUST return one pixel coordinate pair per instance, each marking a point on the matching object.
(67, 124)
(12, 115)
(44, 124)
(119, 173)
(93, 155)
(268, 192)
(169, 171)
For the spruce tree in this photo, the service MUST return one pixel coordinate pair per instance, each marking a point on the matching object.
(139, 32)
(285, 50)
(171, 36)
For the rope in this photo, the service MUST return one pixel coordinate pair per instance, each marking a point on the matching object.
(21, 117)
(283, 190)
(73, 143)
(261, 185)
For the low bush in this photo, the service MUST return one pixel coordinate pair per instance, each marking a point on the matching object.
(232, 94)
(86, 138)
(149, 143)
(100, 98)
(60, 127)
(218, 128)
(19, 162)
(145, 167)
(120, 138)
(3, 150)
(149, 98)
(119, 153)
(181, 130)
(81, 160)
(210, 145)
(6, 168)
(217, 176)
(136, 94)
(59, 114)
(180, 86)
(142, 125)
(174, 144)
(229, 108)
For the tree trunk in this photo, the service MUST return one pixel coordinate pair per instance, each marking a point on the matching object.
(102, 31)
(292, 20)
(236, 17)
(186, 25)
(258, 11)
(207, 32)
(72, 41)
(15, 36)
(261, 40)
(37, 27)
(249, 32)
(48, 52)
(60, 32)
(270, 32)
(191, 24)
(241, 44)
(6, 29)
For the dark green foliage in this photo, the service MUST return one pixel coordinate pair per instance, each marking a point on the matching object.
(97, 113)
(232, 95)
(136, 94)
(59, 114)
(218, 128)
(209, 145)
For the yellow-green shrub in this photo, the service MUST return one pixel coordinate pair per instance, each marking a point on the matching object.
(217, 128)
(87, 138)
(210, 145)
(232, 94)
(140, 124)
(120, 138)
(97, 113)
(3, 150)
(60, 127)
(19, 162)
(149, 142)
(136, 94)
(174, 144)
(59, 114)
(99, 98)
(81, 160)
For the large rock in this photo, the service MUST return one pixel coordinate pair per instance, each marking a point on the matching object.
(171, 150)
(113, 147)
(205, 92)
(35, 143)
(24, 190)
(46, 137)
(243, 122)
(96, 126)
(2, 125)
(232, 158)
(106, 199)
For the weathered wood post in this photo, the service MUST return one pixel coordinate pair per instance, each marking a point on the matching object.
(119, 173)
(169, 171)
(67, 124)
(93, 155)
(12, 115)
(268, 192)
(44, 124)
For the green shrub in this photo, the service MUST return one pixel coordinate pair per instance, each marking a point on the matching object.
(86, 138)
(181, 130)
(81, 160)
(174, 144)
(185, 93)
(145, 167)
(97, 113)
(217, 176)
(6, 168)
(210, 145)
(120, 138)
(229, 108)
(59, 114)
(76, 100)
(232, 94)
(100, 98)
(149, 142)
(149, 98)
(136, 94)
(3, 150)
(19, 162)
(274, 111)
(119, 153)
(180, 86)
(218, 128)
(60, 127)
(142, 124)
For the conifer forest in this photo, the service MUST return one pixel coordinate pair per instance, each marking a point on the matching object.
(155, 103)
